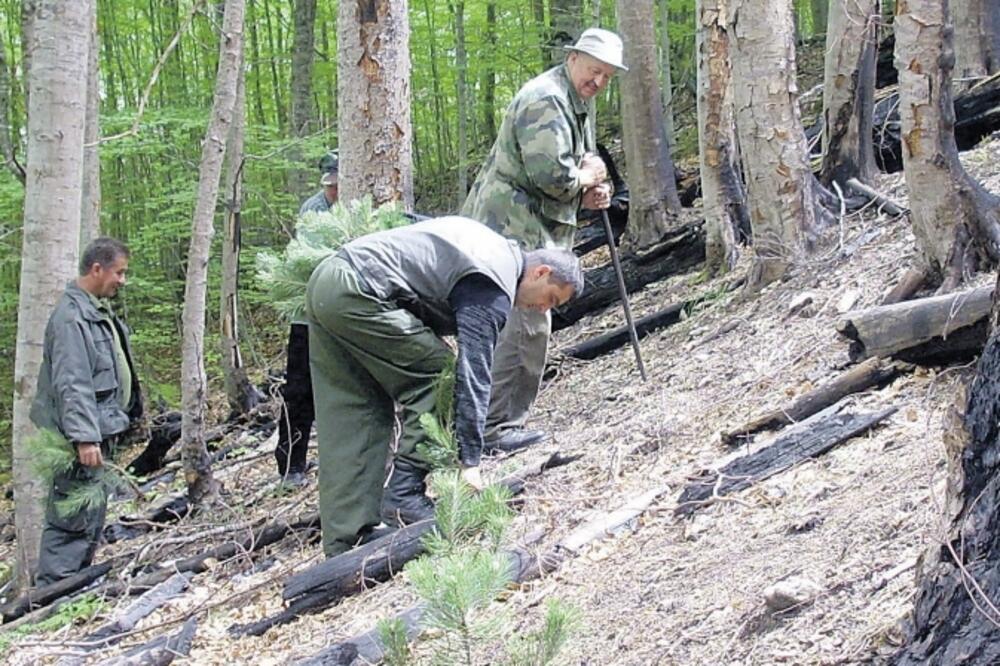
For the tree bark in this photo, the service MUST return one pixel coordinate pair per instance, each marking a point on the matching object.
(58, 48)
(374, 101)
(461, 91)
(954, 218)
(848, 92)
(666, 79)
(7, 136)
(821, 11)
(489, 84)
(90, 211)
(975, 40)
(653, 203)
(303, 40)
(202, 487)
(780, 184)
(727, 220)
(565, 20)
(240, 392)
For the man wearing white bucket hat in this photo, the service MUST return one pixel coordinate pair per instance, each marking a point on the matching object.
(536, 178)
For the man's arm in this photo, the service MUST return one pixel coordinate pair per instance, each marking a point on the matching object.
(481, 308)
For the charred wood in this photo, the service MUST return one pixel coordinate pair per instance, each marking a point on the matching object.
(873, 373)
(45, 595)
(927, 330)
(161, 650)
(912, 281)
(812, 438)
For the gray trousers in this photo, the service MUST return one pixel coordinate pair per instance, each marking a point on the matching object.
(518, 365)
(69, 540)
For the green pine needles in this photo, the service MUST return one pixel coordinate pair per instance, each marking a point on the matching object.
(317, 236)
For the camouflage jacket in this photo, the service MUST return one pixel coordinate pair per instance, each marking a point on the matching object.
(317, 203)
(529, 188)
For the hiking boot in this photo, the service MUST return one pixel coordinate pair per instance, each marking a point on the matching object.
(403, 500)
(514, 439)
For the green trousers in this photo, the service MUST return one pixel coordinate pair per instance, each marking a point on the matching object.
(365, 355)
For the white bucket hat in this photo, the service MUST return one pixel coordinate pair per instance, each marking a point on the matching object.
(604, 45)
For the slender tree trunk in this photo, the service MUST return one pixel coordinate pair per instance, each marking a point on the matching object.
(848, 92)
(538, 11)
(240, 392)
(723, 194)
(490, 75)
(780, 184)
(256, 65)
(202, 487)
(301, 83)
(57, 46)
(654, 204)
(595, 17)
(565, 20)
(7, 137)
(374, 101)
(439, 111)
(666, 81)
(90, 210)
(954, 218)
(975, 41)
(821, 12)
(461, 66)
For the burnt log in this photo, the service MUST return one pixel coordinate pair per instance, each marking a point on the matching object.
(159, 651)
(939, 329)
(954, 620)
(164, 432)
(873, 373)
(811, 438)
(374, 562)
(677, 252)
(45, 595)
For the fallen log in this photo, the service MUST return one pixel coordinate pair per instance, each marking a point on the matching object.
(884, 202)
(678, 251)
(45, 595)
(367, 648)
(925, 330)
(873, 373)
(811, 438)
(161, 650)
(911, 282)
(377, 561)
(954, 619)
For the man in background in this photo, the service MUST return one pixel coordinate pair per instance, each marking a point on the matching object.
(88, 393)
(537, 177)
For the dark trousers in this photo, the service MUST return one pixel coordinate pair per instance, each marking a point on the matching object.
(297, 411)
(69, 540)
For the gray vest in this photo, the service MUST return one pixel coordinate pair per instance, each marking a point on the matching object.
(417, 266)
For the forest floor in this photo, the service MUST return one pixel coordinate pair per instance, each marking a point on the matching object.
(667, 590)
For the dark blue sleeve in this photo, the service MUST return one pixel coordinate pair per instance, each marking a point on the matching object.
(481, 308)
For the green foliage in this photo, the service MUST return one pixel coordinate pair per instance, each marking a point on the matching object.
(395, 645)
(83, 607)
(542, 646)
(317, 236)
(466, 519)
(50, 453)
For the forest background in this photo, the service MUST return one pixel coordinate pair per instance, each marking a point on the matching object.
(149, 178)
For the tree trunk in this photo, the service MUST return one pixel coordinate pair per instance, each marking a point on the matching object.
(848, 92)
(723, 196)
(954, 217)
(461, 91)
(304, 20)
(653, 204)
(666, 80)
(780, 184)
(58, 48)
(374, 101)
(7, 136)
(975, 41)
(538, 11)
(821, 9)
(90, 210)
(202, 487)
(241, 394)
(565, 19)
(490, 76)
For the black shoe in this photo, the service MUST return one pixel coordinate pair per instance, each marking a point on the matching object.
(514, 439)
(403, 500)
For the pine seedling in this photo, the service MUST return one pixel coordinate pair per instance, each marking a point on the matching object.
(541, 647)
(395, 644)
(464, 518)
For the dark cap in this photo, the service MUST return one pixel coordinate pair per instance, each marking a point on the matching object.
(329, 163)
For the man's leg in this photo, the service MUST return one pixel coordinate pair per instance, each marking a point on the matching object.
(518, 365)
(69, 540)
(297, 412)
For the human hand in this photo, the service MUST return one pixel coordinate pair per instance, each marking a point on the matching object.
(89, 454)
(598, 197)
(472, 477)
(592, 170)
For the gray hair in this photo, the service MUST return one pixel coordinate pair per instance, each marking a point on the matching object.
(104, 251)
(564, 264)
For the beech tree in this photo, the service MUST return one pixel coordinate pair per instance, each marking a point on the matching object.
(301, 116)
(954, 217)
(976, 41)
(653, 204)
(848, 91)
(202, 487)
(780, 186)
(90, 213)
(373, 96)
(58, 45)
(723, 195)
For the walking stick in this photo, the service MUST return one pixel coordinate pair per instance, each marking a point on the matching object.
(632, 334)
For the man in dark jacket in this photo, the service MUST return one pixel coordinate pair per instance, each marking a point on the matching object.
(376, 310)
(88, 392)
